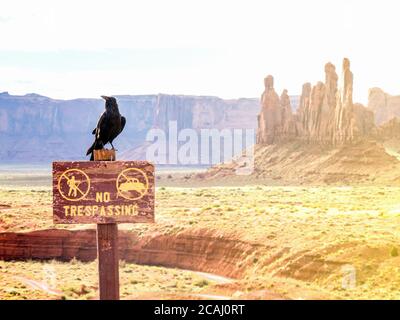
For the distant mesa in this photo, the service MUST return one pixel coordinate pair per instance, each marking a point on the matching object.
(34, 128)
(385, 106)
(34, 95)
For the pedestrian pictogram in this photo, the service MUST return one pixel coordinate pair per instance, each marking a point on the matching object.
(74, 185)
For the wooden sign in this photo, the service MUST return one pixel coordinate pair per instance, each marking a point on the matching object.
(103, 192)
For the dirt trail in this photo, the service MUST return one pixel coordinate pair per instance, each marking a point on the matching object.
(215, 278)
(211, 296)
(42, 286)
(38, 285)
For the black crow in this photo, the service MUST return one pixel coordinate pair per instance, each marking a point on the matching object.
(110, 125)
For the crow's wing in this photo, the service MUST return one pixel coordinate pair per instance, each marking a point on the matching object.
(123, 122)
(102, 128)
(98, 139)
(99, 123)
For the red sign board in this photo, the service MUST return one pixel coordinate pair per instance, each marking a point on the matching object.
(103, 192)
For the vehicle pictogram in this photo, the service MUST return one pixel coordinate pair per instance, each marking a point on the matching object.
(132, 184)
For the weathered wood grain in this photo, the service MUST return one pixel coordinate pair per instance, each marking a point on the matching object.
(104, 155)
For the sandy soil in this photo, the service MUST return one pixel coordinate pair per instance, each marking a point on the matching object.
(324, 242)
(78, 280)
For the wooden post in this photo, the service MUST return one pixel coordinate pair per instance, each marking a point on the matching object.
(107, 252)
(107, 247)
(104, 155)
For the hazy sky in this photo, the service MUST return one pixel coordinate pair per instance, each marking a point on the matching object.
(68, 49)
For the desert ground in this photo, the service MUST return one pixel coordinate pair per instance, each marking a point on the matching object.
(319, 242)
(78, 280)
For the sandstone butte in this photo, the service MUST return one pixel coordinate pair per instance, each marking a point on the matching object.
(326, 113)
(330, 139)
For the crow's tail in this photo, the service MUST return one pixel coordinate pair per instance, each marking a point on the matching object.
(90, 150)
(95, 146)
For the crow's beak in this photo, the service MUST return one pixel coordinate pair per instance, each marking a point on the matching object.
(105, 97)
